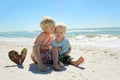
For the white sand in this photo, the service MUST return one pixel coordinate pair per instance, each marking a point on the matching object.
(100, 64)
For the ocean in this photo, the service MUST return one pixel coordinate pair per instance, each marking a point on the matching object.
(107, 37)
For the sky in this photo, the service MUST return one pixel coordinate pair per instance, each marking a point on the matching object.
(25, 15)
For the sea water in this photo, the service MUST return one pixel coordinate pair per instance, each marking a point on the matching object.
(105, 37)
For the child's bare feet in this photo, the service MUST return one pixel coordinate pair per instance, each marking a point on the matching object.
(56, 67)
(42, 68)
(78, 62)
(60, 64)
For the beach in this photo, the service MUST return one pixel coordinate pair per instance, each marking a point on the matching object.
(100, 48)
(91, 27)
(101, 63)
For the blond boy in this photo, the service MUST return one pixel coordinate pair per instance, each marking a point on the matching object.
(42, 44)
(62, 48)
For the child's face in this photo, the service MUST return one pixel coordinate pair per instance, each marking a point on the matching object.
(59, 33)
(50, 30)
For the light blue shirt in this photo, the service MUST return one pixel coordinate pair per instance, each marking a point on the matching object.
(63, 45)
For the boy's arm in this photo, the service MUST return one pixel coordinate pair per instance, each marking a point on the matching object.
(37, 50)
(69, 49)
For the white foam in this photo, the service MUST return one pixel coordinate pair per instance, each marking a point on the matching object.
(78, 41)
(112, 42)
(27, 41)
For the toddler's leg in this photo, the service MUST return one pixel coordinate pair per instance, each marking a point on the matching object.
(55, 58)
(77, 62)
(36, 53)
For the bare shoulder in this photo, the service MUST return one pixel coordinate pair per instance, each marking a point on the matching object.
(40, 37)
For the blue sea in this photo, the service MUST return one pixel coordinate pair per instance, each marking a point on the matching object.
(90, 32)
(107, 37)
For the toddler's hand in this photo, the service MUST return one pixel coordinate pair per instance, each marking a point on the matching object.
(50, 47)
(59, 50)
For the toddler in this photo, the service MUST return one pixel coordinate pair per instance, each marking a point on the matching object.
(62, 48)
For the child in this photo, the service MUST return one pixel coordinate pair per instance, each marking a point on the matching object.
(41, 49)
(62, 48)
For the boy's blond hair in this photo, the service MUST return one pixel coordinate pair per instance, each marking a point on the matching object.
(61, 25)
(47, 22)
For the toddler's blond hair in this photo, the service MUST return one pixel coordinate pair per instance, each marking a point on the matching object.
(61, 25)
(46, 22)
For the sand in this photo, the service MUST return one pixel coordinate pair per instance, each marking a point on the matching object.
(100, 64)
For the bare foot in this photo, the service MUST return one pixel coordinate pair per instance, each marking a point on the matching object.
(60, 64)
(56, 67)
(42, 68)
(78, 62)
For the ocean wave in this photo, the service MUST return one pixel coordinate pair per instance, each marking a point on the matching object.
(107, 36)
(93, 36)
(27, 41)
(76, 41)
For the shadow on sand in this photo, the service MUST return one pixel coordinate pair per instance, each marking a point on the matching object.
(19, 66)
(82, 68)
(34, 69)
